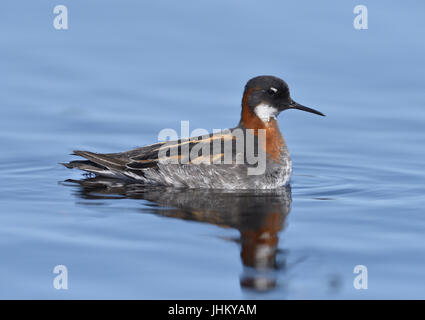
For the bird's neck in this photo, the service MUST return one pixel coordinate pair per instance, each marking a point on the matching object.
(275, 143)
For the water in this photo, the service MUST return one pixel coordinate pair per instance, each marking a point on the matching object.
(121, 73)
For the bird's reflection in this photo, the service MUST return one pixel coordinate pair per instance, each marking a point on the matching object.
(257, 215)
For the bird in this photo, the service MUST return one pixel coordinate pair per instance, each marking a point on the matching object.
(252, 155)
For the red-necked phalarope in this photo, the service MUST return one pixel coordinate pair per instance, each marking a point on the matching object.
(220, 160)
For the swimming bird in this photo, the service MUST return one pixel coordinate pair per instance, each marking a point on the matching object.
(253, 155)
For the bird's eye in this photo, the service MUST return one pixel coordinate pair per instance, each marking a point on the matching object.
(272, 91)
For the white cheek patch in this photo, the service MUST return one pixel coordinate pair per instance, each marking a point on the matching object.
(265, 112)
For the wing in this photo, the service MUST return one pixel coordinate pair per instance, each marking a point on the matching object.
(208, 149)
(203, 149)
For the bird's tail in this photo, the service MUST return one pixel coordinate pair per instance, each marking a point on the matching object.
(100, 164)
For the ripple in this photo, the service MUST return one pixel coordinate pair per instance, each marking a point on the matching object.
(331, 181)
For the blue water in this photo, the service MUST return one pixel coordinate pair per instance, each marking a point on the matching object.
(124, 71)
